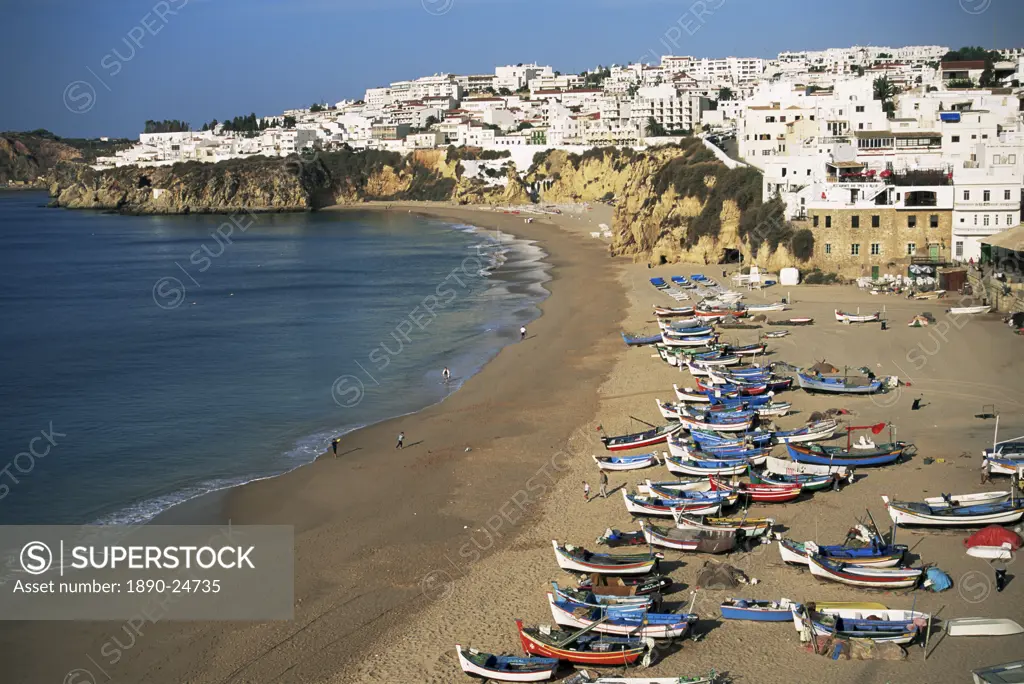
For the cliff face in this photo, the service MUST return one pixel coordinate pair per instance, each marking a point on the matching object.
(27, 159)
(271, 184)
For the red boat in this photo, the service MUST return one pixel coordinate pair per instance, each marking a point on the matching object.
(759, 493)
(585, 648)
(743, 390)
(719, 313)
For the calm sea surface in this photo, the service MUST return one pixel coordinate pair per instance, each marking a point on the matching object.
(147, 360)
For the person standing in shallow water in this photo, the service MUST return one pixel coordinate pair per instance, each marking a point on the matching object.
(522, 333)
(401, 441)
(334, 446)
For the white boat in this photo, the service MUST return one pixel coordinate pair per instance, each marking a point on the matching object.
(979, 515)
(966, 499)
(979, 626)
(913, 622)
(1007, 673)
(504, 668)
(690, 394)
(1004, 552)
(859, 576)
(586, 678)
(812, 432)
(968, 310)
(843, 317)
(888, 614)
(764, 308)
(626, 462)
(697, 485)
(571, 618)
(784, 467)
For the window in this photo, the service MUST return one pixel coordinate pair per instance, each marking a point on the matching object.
(1006, 194)
(860, 127)
(783, 171)
(984, 220)
(828, 221)
(911, 221)
(782, 119)
(828, 248)
(855, 221)
(874, 221)
(974, 137)
(876, 248)
(911, 248)
(808, 172)
(955, 138)
(997, 219)
(855, 249)
(859, 108)
(959, 249)
(986, 196)
(984, 136)
(933, 221)
(967, 194)
(815, 221)
(975, 219)
(812, 117)
(1012, 159)
(1009, 219)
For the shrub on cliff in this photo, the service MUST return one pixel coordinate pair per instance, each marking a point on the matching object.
(802, 244)
(765, 224)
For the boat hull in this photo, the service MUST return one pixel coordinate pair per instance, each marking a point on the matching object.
(533, 645)
(880, 578)
(541, 673)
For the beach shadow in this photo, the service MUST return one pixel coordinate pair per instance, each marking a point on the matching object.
(350, 451)
(407, 446)
(667, 567)
(702, 628)
(1007, 580)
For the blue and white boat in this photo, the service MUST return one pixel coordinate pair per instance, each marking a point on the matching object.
(882, 454)
(708, 438)
(626, 462)
(616, 621)
(502, 668)
(757, 611)
(707, 467)
(822, 429)
(838, 385)
(640, 340)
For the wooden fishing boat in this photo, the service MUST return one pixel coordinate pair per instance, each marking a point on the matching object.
(969, 310)
(783, 467)
(575, 559)
(743, 390)
(809, 483)
(640, 340)
(857, 318)
(979, 626)
(746, 350)
(766, 308)
(586, 678)
(837, 385)
(1004, 552)
(626, 462)
(689, 539)
(871, 628)
(688, 394)
(616, 539)
(669, 341)
(719, 313)
(614, 585)
(793, 321)
(757, 611)
(757, 438)
(703, 468)
(822, 429)
(685, 331)
(640, 439)
(712, 452)
(934, 294)
(673, 312)
(775, 334)
(751, 527)
(697, 503)
(619, 622)
(589, 598)
(758, 492)
(948, 500)
(883, 454)
(1005, 466)
(716, 423)
(859, 576)
(914, 513)
(850, 605)
(1007, 673)
(505, 668)
(773, 408)
(675, 486)
(580, 647)
(880, 556)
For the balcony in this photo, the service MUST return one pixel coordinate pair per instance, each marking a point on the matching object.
(927, 260)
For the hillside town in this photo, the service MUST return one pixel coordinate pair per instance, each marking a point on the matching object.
(901, 152)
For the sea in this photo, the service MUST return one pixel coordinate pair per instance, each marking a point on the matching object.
(148, 360)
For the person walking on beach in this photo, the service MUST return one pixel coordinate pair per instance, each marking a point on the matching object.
(334, 446)
(1000, 567)
(446, 375)
(604, 485)
(586, 491)
(401, 440)
(522, 333)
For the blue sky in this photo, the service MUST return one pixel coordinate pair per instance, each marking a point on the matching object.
(102, 67)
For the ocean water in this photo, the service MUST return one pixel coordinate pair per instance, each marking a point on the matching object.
(148, 359)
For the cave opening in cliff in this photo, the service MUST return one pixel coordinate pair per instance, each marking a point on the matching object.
(730, 256)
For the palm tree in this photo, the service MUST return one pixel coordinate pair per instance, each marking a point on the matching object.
(653, 128)
(884, 89)
(725, 94)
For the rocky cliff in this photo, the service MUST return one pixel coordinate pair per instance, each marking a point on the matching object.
(26, 159)
(676, 204)
(271, 184)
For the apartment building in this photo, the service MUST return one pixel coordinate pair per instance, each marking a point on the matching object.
(673, 109)
(987, 201)
(520, 76)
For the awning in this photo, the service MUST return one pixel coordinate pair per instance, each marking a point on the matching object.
(1012, 239)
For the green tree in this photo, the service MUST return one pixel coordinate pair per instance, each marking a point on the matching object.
(504, 92)
(289, 122)
(885, 90)
(316, 107)
(725, 94)
(431, 121)
(654, 129)
(524, 125)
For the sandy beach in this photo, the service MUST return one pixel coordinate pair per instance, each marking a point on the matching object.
(402, 554)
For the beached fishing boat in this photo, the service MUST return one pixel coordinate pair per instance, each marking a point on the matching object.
(980, 626)
(505, 668)
(775, 334)
(751, 527)
(675, 486)
(838, 385)
(696, 503)
(759, 493)
(773, 409)
(784, 467)
(614, 585)
(586, 678)
(626, 462)
(793, 321)
(688, 394)
(765, 308)
(589, 598)
(581, 646)
(749, 440)
(670, 340)
(705, 467)
(822, 429)
(969, 310)
(709, 314)
(1003, 552)
(953, 500)
(860, 576)
(914, 513)
(620, 622)
(1007, 673)
(672, 330)
(857, 318)
(575, 559)
(699, 453)
(881, 555)
(882, 454)
(616, 539)
(1005, 466)
(746, 350)
(756, 611)
(874, 628)
(640, 340)
(673, 312)
(742, 390)
(809, 483)
(719, 423)
(637, 440)
(689, 539)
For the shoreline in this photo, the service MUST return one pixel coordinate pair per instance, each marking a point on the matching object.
(371, 526)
